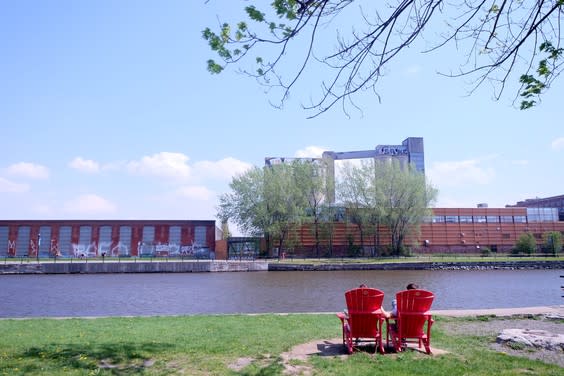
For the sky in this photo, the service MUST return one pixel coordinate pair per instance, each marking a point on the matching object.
(107, 111)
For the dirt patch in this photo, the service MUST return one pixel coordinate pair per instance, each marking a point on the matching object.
(240, 363)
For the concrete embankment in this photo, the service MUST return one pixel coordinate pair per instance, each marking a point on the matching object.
(479, 265)
(92, 267)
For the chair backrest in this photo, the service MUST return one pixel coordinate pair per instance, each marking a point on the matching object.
(413, 307)
(364, 299)
(361, 304)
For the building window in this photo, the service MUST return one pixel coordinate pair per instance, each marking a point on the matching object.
(506, 219)
(85, 241)
(492, 219)
(465, 219)
(147, 247)
(45, 245)
(520, 219)
(105, 240)
(542, 214)
(200, 238)
(439, 219)
(506, 236)
(22, 241)
(174, 235)
(148, 234)
(65, 234)
(479, 219)
(124, 248)
(4, 241)
(451, 219)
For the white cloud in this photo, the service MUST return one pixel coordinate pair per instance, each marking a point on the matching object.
(223, 169)
(558, 144)
(456, 173)
(89, 204)
(7, 186)
(195, 192)
(85, 165)
(310, 152)
(28, 170)
(163, 164)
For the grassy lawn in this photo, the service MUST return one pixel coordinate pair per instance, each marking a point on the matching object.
(212, 345)
(421, 258)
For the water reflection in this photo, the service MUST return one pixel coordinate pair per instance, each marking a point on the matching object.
(258, 292)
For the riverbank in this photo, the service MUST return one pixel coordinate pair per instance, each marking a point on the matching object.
(85, 266)
(293, 344)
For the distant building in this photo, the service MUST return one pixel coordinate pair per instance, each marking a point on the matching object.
(447, 230)
(411, 151)
(548, 202)
(111, 238)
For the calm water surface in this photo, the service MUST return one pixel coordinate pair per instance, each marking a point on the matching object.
(259, 292)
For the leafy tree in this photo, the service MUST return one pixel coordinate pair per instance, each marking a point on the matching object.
(552, 242)
(405, 199)
(266, 201)
(355, 192)
(311, 182)
(287, 40)
(390, 194)
(526, 244)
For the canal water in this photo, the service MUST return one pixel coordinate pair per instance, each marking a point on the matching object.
(80, 295)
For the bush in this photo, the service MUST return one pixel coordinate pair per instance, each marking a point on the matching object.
(485, 252)
(525, 244)
(552, 242)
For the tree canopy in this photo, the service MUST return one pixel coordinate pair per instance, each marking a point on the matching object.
(389, 194)
(498, 42)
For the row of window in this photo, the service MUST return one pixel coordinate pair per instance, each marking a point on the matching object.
(64, 247)
(478, 219)
(533, 215)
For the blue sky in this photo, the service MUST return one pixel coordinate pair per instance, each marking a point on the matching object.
(107, 112)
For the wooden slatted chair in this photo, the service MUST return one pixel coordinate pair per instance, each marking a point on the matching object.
(413, 321)
(363, 320)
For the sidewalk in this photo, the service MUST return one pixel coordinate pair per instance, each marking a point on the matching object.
(551, 310)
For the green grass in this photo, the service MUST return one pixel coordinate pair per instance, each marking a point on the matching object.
(207, 345)
(420, 258)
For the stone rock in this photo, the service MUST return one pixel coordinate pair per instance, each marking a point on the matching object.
(533, 338)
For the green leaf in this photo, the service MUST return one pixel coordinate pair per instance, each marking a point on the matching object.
(254, 14)
(213, 67)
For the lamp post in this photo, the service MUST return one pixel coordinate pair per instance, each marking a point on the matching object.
(38, 245)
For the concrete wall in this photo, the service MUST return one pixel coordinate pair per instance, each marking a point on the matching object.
(132, 267)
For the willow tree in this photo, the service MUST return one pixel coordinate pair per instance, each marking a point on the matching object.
(405, 198)
(266, 201)
(355, 190)
(390, 194)
(284, 41)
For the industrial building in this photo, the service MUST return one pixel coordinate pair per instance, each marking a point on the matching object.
(112, 238)
(411, 151)
(547, 202)
(448, 230)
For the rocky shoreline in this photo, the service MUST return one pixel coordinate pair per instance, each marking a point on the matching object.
(479, 265)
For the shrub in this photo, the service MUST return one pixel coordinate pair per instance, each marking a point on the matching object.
(552, 242)
(525, 244)
(485, 252)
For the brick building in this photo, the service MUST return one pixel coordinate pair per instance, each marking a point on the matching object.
(90, 238)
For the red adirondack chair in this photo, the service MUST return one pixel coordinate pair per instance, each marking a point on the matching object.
(413, 321)
(363, 320)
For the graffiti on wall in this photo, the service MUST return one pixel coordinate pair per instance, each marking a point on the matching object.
(110, 249)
